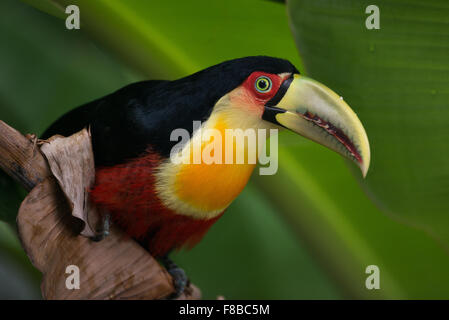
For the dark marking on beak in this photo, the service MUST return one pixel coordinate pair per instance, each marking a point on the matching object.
(271, 111)
(281, 92)
(269, 114)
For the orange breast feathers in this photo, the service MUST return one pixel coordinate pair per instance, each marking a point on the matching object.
(205, 188)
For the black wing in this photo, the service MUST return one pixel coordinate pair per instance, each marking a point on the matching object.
(118, 122)
(141, 115)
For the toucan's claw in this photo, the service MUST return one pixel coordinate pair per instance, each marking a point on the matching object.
(180, 279)
(104, 232)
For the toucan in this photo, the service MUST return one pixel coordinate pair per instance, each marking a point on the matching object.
(167, 205)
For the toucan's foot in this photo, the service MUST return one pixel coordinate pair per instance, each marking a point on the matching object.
(180, 279)
(105, 230)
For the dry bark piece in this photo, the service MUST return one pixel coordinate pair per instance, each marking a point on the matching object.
(71, 161)
(20, 159)
(114, 268)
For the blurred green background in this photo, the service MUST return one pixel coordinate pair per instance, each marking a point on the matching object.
(309, 231)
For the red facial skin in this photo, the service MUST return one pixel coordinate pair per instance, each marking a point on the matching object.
(259, 97)
(250, 99)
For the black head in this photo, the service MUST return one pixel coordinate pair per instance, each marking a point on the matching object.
(229, 74)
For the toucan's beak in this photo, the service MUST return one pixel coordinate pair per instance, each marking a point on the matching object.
(311, 109)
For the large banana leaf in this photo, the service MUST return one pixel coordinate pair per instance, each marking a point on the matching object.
(175, 38)
(397, 79)
(313, 189)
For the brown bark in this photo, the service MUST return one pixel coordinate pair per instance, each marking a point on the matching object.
(20, 159)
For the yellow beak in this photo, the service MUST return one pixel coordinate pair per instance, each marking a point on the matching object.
(314, 111)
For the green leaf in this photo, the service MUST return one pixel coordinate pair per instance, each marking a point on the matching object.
(48, 7)
(314, 190)
(10, 199)
(166, 39)
(345, 231)
(396, 78)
